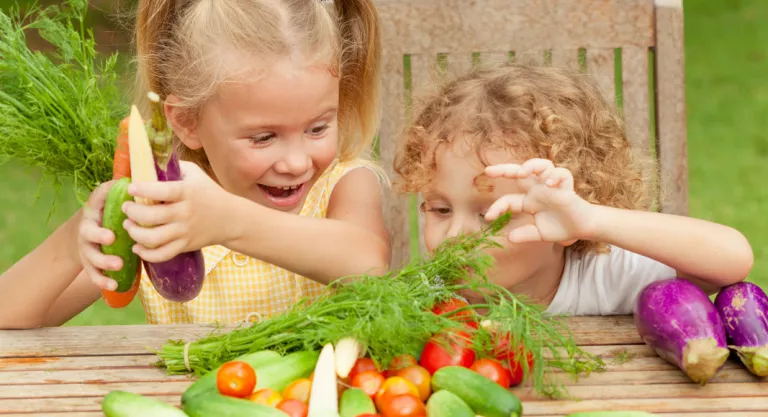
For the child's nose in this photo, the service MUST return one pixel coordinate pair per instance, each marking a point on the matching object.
(463, 226)
(295, 162)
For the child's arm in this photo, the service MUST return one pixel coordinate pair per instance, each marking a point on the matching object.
(351, 240)
(38, 290)
(713, 254)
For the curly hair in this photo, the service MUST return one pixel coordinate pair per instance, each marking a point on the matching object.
(535, 112)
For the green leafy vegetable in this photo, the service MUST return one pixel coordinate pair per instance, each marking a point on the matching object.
(59, 110)
(391, 315)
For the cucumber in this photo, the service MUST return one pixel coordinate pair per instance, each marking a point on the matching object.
(355, 401)
(447, 404)
(213, 404)
(128, 404)
(113, 219)
(611, 413)
(484, 396)
(280, 373)
(207, 383)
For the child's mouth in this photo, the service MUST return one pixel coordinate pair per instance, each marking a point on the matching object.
(284, 196)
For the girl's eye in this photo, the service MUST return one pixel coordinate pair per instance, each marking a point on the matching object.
(443, 211)
(318, 130)
(262, 139)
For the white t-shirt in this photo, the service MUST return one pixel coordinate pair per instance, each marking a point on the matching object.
(605, 283)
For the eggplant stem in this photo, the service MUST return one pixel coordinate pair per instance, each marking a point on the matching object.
(702, 358)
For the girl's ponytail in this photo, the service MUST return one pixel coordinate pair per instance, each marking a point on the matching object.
(359, 96)
(153, 23)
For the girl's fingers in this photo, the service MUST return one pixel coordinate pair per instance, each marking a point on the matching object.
(92, 233)
(167, 191)
(148, 216)
(560, 177)
(524, 234)
(510, 202)
(159, 254)
(153, 237)
(94, 257)
(503, 170)
(536, 166)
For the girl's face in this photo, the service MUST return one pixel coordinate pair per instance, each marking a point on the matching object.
(454, 204)
(269, 139)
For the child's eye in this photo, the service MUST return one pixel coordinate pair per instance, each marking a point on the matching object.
(262, 139)
(318, 130)
(443, 211)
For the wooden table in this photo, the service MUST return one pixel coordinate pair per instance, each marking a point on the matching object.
(67, 371)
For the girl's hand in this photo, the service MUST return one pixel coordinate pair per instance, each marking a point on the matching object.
(91, 236)
(547, 194)
(189, 217)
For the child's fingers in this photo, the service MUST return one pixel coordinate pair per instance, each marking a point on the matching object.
(167, 191)
(153, 237)
(524, 234)
(92, 233)
(561, 177)
(148, 216)
(93, 256)
(509, 202)
(503, 170)
(536, 166)
(159, 254)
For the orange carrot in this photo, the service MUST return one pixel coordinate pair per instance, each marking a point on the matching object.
(121, 167)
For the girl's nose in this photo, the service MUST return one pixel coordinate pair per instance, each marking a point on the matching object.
(463, 225)
(295, 162)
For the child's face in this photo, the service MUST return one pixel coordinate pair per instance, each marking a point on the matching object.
(269, 139)
(453, 204)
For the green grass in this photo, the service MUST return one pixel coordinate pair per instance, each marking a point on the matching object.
(727, 99)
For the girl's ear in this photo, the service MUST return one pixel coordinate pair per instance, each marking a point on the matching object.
(182, 122)
(569, 242)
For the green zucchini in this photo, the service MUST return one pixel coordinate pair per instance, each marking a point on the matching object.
(207, 383)
(611, 413)
(484, 396)
(447, 404)
(113, 219)
(129, 404)
(213, 404)
(280, 373)
(355, 401)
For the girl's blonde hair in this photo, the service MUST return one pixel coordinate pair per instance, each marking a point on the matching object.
(534, 112)
(182, 49)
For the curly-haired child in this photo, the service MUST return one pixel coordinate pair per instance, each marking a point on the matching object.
(544, 144)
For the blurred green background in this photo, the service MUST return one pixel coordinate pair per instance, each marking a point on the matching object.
(726, 53)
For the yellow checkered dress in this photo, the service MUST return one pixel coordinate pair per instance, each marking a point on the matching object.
(237, 285)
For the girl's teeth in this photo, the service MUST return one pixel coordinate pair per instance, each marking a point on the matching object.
(292, 187)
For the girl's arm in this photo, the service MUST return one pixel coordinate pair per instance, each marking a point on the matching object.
(351, 240)
(38, 290)
(711, 254)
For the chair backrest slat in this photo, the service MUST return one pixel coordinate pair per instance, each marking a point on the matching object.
(423, 40)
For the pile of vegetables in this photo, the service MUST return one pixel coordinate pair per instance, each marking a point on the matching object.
(684, 327)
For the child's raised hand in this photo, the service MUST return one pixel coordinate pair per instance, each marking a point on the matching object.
(547, 194)
(191, 217)
(91, 236)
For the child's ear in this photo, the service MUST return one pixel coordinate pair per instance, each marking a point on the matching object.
(569, 242)
(182, 122)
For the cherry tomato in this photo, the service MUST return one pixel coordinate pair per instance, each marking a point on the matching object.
(362, 365)
(457, 353)
(398, 363)
(298, 390)
(266, 396)
(294, 408)
(368, 381)
(493, 370)
(468, 316)
(403, 405)
(510, 360)
(393, 386)
(236, 379)
(420, 378)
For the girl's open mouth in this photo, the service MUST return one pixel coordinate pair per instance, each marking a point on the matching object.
(286, 196)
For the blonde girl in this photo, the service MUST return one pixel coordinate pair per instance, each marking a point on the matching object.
(543, 144)
(273, 103)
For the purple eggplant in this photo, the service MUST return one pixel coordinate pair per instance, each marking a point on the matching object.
(181, 278)
(744, 310)
(679, 321)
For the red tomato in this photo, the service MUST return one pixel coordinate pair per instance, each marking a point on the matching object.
(236, 379)
(298, 390)
(393, 386)
(420, 378)
(266, 396)
(403, 405)
(510, 360)
(457, 353)
(294, 408)
(467, 316)
(362, 365)
(493, 370)
(398, 363)
(368, 381)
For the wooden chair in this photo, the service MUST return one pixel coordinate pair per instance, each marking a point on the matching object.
(644, 37)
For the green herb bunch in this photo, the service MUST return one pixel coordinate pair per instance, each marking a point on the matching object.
(59, 110)
(391, 315)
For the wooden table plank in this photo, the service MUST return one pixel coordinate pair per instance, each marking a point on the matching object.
(60, 405)
(653, 405)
